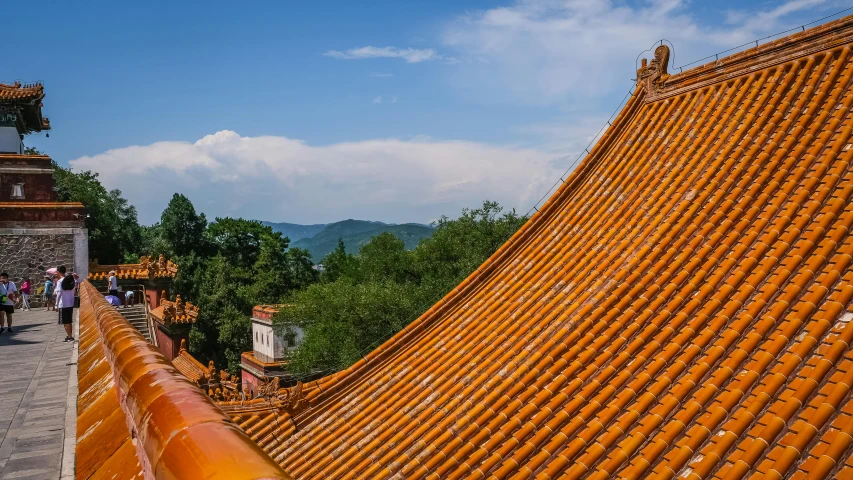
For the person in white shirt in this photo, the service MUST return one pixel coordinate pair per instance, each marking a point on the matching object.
(7, 302)
(64, 292)
(113, 283)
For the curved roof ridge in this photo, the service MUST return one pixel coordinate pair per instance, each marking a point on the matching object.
(820, 38)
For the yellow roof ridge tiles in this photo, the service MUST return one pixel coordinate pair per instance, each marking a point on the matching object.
(192, 368)
(138, 417)
(147, 269)
(169, 312)
(680, 307)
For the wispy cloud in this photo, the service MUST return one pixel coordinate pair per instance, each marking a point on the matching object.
(284, 179)
(546, 52)
(377, 100)
(410, 55)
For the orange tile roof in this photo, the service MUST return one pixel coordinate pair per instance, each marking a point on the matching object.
(126, 384)
(146, 269)
(192, 368)
(175, 312)
(20, 92)
(680, 307)
(28, 102)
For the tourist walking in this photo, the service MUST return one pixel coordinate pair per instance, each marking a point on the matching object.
(25, 294)
(113, 284)
(64, 292)
(48, 294)
(7, 302)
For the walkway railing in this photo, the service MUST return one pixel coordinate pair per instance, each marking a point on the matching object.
(138, 415)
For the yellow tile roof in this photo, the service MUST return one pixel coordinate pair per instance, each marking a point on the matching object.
(146, 269)
(175, 312)
(191, 368)
(20, 92)
(680, 307)
(138, 417)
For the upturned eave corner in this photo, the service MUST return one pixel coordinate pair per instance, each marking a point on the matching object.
(652, 75)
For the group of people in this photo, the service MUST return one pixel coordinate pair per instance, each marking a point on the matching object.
(112, 292)
(60, 292)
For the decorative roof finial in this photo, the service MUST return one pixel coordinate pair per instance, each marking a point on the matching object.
(654, 73)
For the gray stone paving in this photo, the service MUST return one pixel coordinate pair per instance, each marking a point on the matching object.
(34, 391)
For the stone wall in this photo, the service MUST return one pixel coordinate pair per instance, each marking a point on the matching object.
(32, 251)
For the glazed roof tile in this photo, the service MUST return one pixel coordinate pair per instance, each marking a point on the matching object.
(192, 368)
(175, 312)
(138, 417)
(680, 307)
(21, 92)
(146, 269)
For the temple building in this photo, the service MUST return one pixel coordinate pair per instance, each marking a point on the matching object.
(681, 307)
(267, 360)
(152, 276)
(171, 322)
(36, 231)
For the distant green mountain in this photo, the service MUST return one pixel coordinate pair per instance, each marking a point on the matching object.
(356, 233)
(294, 231)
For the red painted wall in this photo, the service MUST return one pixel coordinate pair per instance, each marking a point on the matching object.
(250, 382)
(167, 346)
(153, 298)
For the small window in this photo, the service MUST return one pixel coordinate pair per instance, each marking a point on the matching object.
(17, 191)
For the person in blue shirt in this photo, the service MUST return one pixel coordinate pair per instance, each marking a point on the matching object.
(48, 294)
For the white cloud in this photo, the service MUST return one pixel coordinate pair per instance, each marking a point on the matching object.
(562, 51)
(410, 55)
(282, 179)
(377, 100)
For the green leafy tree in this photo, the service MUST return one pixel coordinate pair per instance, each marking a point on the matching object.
(364, 299)
(250, 265)
(181, 228)
(238, 239)
(344, 320)
(338, 263)
(114, 231)
(300, 269)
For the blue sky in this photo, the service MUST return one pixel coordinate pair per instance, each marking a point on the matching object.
(318, 111)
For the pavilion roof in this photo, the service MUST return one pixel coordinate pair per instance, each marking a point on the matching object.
(19, 92)
(175, 312)
(192, 368)
(681, 306)
(26, 100)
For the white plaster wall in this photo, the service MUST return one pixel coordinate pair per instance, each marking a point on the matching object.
(262, 332)
(263, 339)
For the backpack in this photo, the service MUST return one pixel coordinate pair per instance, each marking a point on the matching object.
(68, 282)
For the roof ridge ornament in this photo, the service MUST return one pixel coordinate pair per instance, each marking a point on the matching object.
(653, 74)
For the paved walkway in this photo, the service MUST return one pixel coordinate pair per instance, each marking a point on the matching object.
(35, 368)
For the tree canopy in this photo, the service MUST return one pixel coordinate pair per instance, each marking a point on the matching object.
(363, 299)
(114, 232)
